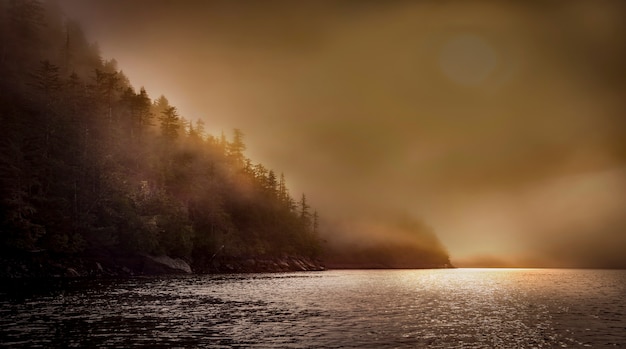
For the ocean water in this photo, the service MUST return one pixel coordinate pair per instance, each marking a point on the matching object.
(451, 308)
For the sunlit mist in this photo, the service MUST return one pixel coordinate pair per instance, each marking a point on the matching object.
(496, 128)
(468, 59)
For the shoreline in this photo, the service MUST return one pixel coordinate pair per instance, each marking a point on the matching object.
(110, 264)
(46, 265)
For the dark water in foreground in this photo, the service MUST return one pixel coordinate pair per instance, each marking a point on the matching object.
(463, 308)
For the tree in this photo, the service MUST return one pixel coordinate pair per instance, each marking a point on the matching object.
(271, 181)
(142, 107)
(27, 17)
(283, 193)
(47, 78)
(200, 129)
(160, 105)
(170, 123)
(106, 86)
(260, 174)
(236, 148)
(316, 222)
(305, 215)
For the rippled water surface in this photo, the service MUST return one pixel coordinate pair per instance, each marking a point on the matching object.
(464, 308)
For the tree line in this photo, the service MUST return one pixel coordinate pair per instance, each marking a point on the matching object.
(88, 162)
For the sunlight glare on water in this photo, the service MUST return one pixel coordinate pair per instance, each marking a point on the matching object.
(463, 308)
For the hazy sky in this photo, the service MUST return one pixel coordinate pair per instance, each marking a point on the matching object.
(500, 124)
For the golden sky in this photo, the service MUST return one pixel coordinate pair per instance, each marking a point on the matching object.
(499, 124)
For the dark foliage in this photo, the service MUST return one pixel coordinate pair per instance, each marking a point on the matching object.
(89, 164)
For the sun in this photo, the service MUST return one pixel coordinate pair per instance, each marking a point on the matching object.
(468, 59)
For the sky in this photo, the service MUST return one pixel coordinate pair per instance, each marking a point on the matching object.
(498, 124)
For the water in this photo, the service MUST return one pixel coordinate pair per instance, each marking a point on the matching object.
(462, 308)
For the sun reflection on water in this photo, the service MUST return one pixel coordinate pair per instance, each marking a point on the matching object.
(463, 308)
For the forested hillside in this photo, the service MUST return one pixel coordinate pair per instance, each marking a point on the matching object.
(92, 166)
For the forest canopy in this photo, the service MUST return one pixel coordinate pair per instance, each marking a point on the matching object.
(90, 162)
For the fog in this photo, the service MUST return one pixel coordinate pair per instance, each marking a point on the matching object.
(499, 125)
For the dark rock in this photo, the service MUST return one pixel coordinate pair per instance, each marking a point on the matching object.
(177, 265)
(71, 272)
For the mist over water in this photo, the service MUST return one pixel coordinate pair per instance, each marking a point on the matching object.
(493, 122)
(468, 308)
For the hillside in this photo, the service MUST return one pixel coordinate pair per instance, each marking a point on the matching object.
(98, 176)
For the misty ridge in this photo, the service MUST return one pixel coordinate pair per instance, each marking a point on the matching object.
(98, 178)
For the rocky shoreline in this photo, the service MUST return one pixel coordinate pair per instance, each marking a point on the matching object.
(263, 265)
(107, 263)
(101, 264)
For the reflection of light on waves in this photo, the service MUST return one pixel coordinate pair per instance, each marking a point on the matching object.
(479, 270)
(478, 278)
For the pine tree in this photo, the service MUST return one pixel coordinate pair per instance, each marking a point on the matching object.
(142, 106)
(271, 182)
(47, 78)
(236, 148)
(283, 192)
(305, 215)
(170, 123)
